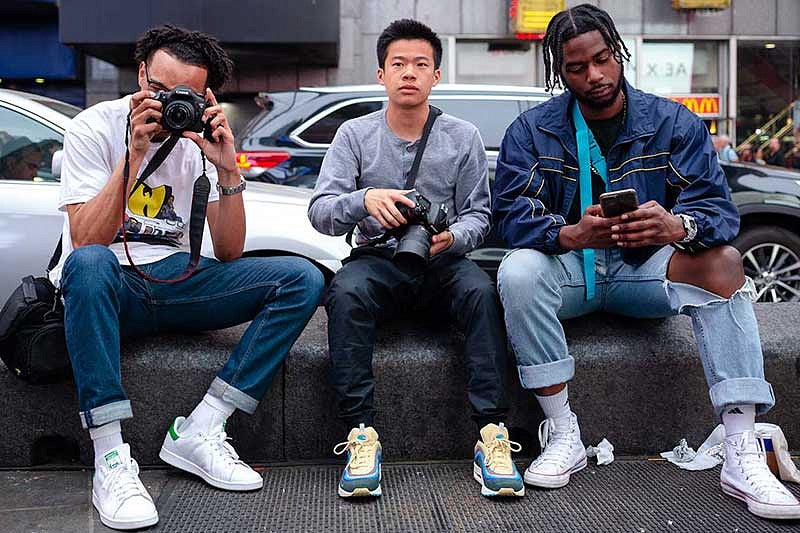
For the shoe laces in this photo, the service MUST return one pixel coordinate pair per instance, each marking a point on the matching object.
(556, 445)
(361, 453)
(222, 448)
(752, 462)
(499, 453)
(124, 481)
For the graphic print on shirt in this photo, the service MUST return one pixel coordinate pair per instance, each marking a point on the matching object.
(151, 216)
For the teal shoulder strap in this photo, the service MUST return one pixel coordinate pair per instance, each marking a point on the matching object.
(589, 154)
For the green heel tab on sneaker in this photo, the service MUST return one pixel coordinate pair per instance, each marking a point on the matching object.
(172, 432)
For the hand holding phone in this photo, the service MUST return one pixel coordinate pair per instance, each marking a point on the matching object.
(616, 203)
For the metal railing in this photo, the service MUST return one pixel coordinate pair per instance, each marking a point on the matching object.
(777, 126)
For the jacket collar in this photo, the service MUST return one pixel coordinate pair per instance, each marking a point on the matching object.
(637, 122)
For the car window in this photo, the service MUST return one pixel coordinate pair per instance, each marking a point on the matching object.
(491, 117)
(323, 130)
(26, 147)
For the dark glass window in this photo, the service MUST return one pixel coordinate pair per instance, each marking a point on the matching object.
(322, 131)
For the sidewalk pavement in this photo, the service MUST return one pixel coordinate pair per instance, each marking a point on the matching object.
(632, 494)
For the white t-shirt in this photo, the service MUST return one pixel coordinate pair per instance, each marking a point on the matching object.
(158, 211)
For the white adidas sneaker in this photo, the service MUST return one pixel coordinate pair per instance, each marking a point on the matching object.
(117, 493)
(562, 455)
(746, 476)
(210, 457)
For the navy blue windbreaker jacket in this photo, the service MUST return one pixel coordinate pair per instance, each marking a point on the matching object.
(664, 151)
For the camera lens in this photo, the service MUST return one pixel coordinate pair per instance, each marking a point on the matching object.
(178, 116)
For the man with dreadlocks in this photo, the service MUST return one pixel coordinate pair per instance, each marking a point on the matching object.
(106, 299)
(668, 256)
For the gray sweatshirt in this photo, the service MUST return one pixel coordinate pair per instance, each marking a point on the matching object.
(366, 154)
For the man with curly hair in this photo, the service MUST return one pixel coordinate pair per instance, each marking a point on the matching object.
(106, 299)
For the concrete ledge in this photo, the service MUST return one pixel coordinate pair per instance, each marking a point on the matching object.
(639, 383)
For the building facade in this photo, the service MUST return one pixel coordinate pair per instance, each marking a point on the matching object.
(736, 66)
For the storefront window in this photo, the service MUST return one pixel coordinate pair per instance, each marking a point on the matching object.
(670, 68)
(768, 82)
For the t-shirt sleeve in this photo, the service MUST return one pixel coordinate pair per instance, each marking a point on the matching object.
(86, 167)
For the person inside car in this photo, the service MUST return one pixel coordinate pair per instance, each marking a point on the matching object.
(668, 253)
(20, 159)
(362, 187)
(106, 300)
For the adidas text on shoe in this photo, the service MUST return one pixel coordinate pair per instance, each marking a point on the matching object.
(211, 457)
(492, 465)
(362, 473)
(746, 476)
(562, 455)
(117, 493)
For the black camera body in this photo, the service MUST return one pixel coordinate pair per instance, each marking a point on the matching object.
(425, 220)
(182, 110)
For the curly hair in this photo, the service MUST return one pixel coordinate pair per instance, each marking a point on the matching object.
(571, 23)
(408, 29)
(191, 47)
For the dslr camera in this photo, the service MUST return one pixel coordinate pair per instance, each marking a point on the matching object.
(424, 221)
(182, 110)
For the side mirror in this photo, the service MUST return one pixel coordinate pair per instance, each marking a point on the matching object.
(55, 164)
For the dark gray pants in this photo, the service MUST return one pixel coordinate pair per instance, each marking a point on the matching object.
(370, 289)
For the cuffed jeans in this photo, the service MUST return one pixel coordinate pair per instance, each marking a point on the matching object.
(104, 302)
(370, 289)
(538, 290)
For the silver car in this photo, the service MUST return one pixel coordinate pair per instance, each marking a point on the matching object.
(31, 136)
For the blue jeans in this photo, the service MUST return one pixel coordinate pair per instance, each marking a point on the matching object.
(538, 290)
(105, 302)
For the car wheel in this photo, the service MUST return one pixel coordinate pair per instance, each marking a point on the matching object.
(771, 256)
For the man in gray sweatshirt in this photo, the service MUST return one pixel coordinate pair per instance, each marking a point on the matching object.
(360, 189)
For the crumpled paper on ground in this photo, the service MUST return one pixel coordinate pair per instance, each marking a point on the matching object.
(604, 452)
(712, 452)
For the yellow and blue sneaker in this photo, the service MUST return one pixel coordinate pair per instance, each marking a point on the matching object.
(362, 474)
(493, 467)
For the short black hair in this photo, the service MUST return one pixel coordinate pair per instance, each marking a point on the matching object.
(191, 47)
(571, 23)
(408, 29)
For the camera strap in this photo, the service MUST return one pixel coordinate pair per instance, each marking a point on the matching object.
(433, 114)
(201, 190)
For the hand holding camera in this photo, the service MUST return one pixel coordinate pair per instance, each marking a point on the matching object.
(217, 139)
(184, 112)
(382, 204)
(426, 220)
(145, 121)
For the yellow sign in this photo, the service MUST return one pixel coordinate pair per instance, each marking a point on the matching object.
(533, 16)
(703, 105)
(701, 4)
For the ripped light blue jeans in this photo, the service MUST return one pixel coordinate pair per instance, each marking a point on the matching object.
(538, 290)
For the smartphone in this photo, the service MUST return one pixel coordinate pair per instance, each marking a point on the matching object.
(615, 203)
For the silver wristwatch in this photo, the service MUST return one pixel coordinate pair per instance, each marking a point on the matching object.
(230, 191)
(689, 226)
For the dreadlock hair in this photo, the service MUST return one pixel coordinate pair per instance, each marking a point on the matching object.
(408, 29)
(191, 47)
(571, 23)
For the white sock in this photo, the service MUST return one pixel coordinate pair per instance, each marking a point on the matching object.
(738, 418)
(105, 438)
(209, 416)
(556, 406)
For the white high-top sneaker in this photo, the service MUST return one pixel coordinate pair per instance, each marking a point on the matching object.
(746, 476)
(117, 493)
(209, 456)
(562, 455)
